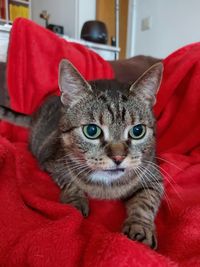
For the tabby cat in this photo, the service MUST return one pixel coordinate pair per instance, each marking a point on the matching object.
(98, 138)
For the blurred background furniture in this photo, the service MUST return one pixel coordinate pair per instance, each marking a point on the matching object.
(70, 16)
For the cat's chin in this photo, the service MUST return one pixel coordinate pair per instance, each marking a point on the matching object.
(107, 176)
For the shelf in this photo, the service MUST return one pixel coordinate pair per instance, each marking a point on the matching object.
(3, 20)
(5, 28)
(20, 2)
(92, 45)
(108, 52)
(13, 9)
(18, 8)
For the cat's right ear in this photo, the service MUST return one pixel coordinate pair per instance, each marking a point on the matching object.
(71, 83)
(147, 85)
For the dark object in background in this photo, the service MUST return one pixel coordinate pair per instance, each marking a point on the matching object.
(4, 97)
(52, 27)
(94, 31)
(56, 28)
(113, 41)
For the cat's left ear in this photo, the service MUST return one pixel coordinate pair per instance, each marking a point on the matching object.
(71, 83)
(147, 85)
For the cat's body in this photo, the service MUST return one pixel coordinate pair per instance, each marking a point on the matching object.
(98, 139)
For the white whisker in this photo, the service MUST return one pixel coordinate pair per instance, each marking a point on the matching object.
(139, 172)
(167, 177)
(167, 161)
(156, 188)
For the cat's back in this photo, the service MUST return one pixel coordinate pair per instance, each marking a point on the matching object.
(48, 113)
(45, 125)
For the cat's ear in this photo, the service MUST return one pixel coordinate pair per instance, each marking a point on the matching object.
(71, 83)
(147, 85)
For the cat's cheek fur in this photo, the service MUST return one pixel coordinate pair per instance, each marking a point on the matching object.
(67, 140)
(131, 162)
(147, 143)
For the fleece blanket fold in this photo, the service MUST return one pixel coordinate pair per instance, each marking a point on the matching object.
(35, 229)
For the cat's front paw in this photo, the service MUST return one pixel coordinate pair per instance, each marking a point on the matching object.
(138, 232)
(81, 203)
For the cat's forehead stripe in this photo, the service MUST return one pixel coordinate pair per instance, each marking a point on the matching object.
(114, 111)
(123, 113)
(101, 118)
(111, 112)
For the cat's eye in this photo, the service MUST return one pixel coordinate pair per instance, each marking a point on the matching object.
(138, 131)
(92, 131)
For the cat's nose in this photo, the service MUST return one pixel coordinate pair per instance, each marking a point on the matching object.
(118, 159)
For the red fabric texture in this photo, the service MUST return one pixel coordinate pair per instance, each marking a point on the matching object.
(35, 229)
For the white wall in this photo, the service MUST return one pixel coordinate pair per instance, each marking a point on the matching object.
(87, 11)
(174, 23)
(69, 13)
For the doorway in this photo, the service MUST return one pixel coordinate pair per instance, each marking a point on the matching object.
(105, 11)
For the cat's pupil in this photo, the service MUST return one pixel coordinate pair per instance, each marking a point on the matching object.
(138, 131)
(91, 129)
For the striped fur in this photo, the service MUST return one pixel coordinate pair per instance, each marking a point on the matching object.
(14, 117)
(112, 166)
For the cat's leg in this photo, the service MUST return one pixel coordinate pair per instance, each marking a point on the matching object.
(73, 195)
(70, 192)
(141, 210)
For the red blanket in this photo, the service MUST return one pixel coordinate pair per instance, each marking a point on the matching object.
(35, 229)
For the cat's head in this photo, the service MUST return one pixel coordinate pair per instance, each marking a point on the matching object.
(108, 132)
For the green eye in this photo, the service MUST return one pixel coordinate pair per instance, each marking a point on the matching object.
(92, 131)
(138, 131)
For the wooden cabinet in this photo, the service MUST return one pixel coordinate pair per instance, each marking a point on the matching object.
(12, 9)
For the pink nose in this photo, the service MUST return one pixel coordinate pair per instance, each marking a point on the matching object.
(118, 159)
